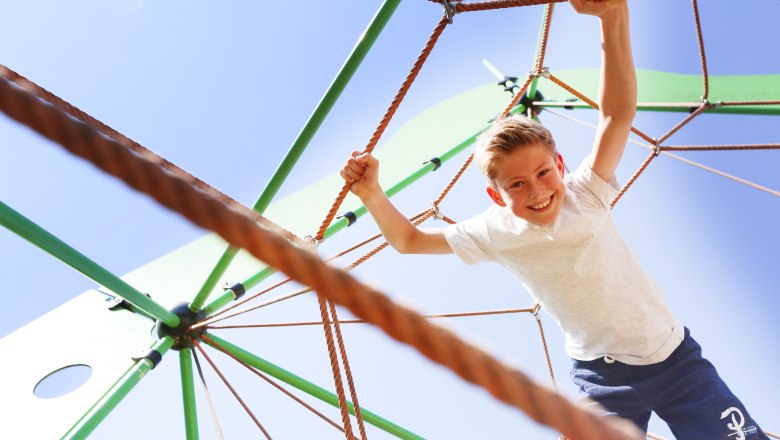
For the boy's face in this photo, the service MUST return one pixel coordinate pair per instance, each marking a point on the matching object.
(529, 181)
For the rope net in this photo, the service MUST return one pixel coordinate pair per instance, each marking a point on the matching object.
(116, 154)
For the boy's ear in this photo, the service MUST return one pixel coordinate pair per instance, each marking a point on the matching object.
(495, 196)
(559, 164)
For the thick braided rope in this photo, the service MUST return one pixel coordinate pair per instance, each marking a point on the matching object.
(77, 113)
(500, 4)
(702, 55)
(399, 96)
(238, 227)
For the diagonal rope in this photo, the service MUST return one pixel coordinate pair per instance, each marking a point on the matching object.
(434, 37)
(221, 315)
(687, 161)
(347, 370)
(212, 410)
(272, 382)
(702, 55)
(363, 321)
(542, 49)
(704, 106)
(593, 104)
(230, 387)
(240, 229)
(334, 365)
(73, 111)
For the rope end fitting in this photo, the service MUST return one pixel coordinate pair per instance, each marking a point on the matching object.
(535, 310)
(656, 147)
(450, 9)
(544, 73)
(437, 215)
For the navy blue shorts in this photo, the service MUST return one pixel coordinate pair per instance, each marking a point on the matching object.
(685, 391)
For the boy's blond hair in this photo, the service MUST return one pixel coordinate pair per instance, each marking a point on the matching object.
(506, 135)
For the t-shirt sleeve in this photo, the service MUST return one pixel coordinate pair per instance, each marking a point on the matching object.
(591, 189)
(468, 239)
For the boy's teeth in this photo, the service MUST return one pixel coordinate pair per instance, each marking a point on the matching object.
(542, 205)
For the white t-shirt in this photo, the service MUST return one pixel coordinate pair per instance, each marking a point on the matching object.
(580, 271)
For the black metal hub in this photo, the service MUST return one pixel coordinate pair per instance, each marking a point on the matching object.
(182, 335)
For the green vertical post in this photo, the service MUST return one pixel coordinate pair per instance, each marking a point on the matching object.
(359, 52)
(98, 412)
(310, 388)
(188, 394)
(27, 229)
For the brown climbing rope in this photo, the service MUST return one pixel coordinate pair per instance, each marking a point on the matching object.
(240, 229)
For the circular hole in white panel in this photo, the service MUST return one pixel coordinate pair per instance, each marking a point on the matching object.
(62, 381)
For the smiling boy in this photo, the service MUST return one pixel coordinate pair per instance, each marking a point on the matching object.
(555, 233)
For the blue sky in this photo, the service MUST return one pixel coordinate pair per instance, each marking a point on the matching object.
(222, 92)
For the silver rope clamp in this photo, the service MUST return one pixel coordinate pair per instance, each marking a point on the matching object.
(311, 241)
(656, 147)
(535, 310)
(449, 9)
(544, 73)
(437, 215)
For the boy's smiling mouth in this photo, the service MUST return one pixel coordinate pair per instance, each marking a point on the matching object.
(542, 205)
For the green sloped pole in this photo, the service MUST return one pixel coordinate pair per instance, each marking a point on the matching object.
(27, 229)
(340, 224)
(359, 52)
(98, 412)
(188, 394)
(309, 388)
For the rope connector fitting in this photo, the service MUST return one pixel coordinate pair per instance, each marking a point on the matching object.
(656, 147)
(544, 73)
(449, 9)
(311, 241)
(437, 215)
(435, 161)
(535, 310)
(350, 216)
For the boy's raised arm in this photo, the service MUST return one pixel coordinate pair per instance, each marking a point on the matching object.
(362, 170)
(617, 88)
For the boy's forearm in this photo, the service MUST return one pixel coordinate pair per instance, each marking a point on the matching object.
(395, 227)
(618, 89)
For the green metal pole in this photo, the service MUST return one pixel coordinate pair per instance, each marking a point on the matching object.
(188, 394)
(38, 236)
(310, 388)
(359, 52)
(98, 412)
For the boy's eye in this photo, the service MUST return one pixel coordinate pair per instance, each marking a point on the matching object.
(516, 184)
(544, 172)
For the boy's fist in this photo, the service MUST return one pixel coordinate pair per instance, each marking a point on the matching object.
(362, 171)
(595, 7)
